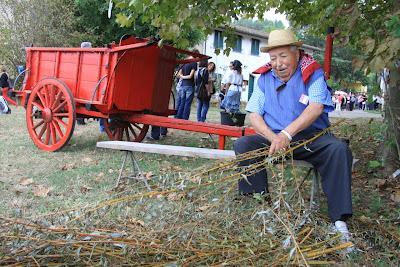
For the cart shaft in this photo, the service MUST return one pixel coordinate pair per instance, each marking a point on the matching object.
(201, 127)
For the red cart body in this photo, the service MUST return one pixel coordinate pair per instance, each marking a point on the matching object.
(136, 77)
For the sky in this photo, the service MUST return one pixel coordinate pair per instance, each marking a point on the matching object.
(270, 15)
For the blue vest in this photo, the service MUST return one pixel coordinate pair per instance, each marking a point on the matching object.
(283, 107)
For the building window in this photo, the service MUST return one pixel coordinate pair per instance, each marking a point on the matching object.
(255, 47)
(218, 39)
(238, 44)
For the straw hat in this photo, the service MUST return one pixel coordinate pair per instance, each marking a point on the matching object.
(278, 38)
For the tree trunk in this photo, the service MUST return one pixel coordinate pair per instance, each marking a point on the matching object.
(392, 117)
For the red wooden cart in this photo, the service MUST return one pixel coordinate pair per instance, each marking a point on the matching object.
(128, 85)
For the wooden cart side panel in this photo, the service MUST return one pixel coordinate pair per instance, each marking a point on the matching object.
(92, 69)
(111, 59)
(163, 81)
(134, 79)
(41, 65)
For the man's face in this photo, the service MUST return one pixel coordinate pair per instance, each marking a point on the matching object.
(284, 61)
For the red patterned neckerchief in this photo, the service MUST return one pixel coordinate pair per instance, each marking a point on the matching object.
(307, 64)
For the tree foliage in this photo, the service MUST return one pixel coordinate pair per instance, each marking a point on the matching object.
(104, 30)
(175, 18)
(368, 26)
(91, 18)
(261, 25)
(34, 22)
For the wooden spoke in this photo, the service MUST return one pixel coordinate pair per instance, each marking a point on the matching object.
(57, 99)
(53, 133)
(41, 98)
(57, 128)
(38, 124)
(40, 107)
(122, 130)
(60, 106)
(46, 95)
(59, 121)
(132, 131)
(42, 131)
(47, 140)
(64, 115)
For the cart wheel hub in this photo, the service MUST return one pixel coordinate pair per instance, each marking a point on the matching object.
(47, 115)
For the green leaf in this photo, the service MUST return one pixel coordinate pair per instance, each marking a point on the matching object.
(373, 164)
(123, 20)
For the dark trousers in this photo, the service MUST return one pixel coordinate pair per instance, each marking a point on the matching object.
(156, 131)
(329, 155)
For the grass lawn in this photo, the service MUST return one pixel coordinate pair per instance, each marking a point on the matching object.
(191, 217)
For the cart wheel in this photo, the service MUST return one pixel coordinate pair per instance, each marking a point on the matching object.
(50, 114)
(125, 131)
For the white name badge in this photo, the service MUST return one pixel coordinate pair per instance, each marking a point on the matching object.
(304, 99)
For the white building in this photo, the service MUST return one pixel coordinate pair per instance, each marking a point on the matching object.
(247, 51)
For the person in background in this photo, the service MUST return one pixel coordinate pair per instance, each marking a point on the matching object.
(81, 121)
(291, 103)
(156, 132)
(4, 79)
(186, 91)
(224, 81)
(203, 91)
(212, 77)
(233, 87)
(352, 101)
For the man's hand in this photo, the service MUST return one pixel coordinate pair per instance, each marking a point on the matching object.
(279, 142)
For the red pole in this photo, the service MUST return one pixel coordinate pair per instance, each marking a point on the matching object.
(328, 52)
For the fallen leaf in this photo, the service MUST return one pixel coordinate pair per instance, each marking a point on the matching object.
(195, 179)
(41, 191)
(136, 221)
(87, 160)
(175, 196)
(380, 183)
(25, 181)
(203, 208)
(149, 175)
(395, 196)
(18, 189)
(110, 171)
(99, 177)
(84, 189)
(68, 166)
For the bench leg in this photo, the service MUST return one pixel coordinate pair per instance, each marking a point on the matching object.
(314, 200)
(137, 174)
(122, 168)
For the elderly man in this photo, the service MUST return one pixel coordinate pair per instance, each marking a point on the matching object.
(291, 104)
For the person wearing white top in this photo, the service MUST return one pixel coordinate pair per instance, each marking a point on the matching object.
(233, 87)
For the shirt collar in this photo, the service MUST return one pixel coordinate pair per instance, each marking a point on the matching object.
(298, 68)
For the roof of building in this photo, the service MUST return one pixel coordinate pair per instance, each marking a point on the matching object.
(264, 35)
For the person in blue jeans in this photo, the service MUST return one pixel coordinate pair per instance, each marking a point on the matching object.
(203, 91)
(157, 132)
(186, 91)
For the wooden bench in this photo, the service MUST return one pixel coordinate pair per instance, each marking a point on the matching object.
(130, 147)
